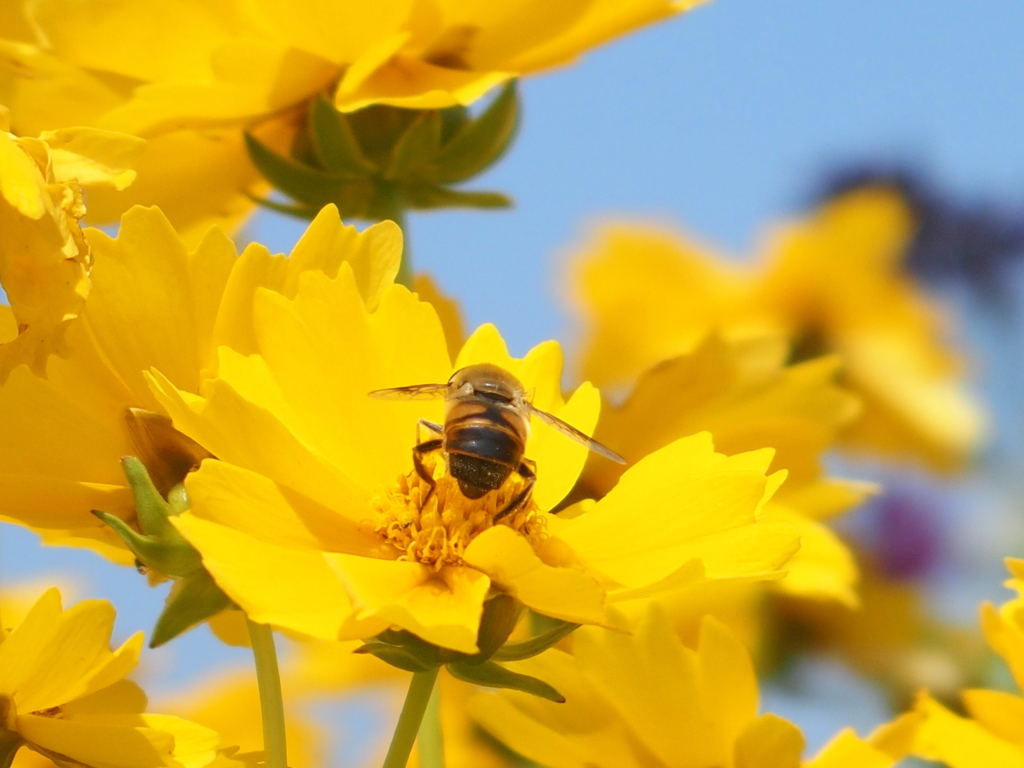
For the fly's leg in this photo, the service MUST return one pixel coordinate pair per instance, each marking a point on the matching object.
(528, 471)
(423, 448)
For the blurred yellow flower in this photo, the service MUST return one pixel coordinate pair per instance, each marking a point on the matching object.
(832, 283)
(316, 477)
(992, 734)
(154, 303)
(63, 695)
(229, 704)
(647, 700)
(191, 76)
(44, 258)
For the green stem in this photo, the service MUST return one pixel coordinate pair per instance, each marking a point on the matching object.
(431, 737)
(396, 212)
(416, 701)
(10, 743)
(271, 702)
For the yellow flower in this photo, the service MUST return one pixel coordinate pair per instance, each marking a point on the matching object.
(992, 734)
(317, 477)
(832, 283)
(63, 695)
(191, 76)
(44, 258)
(747, 398)
(648, 700)
(153, 303)
(230, 705)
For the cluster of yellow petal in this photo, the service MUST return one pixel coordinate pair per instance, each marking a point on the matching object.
(190, 76)
(992, 734)
(303, 452)
(647, 700)
(744, 394)
(832, 283)
(64, 696)
(154, 304)
(44, 257)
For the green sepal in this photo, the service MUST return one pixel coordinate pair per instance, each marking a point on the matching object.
(193, 599)
(492, 675)
(500, 616)
(334, 142)
(302, 182)
(397, 656)
(416, 148)
(529, 648)
(159, 545)
(10, 740)
(429, 196)
(481, 141)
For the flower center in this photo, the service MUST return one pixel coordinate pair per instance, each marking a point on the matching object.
(437, 532)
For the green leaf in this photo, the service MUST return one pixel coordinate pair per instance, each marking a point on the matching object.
(335, 143)
(429, 196)
(530, 648)
(397, 656)
(192, 600)
(305, 184)
(417, 147)
(482, 141)
(492, 675)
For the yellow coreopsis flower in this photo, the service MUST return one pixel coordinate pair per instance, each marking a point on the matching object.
(648, 700)
(192, 76)
(153, 303)
(316, 477)
(832, 283)
(63, 695)
(992, 734)
(44, 258)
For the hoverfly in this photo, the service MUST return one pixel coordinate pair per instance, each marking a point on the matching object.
(486, 426)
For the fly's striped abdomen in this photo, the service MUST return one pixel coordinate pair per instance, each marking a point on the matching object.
(484, 442)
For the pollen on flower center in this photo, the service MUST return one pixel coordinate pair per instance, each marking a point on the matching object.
(438, 532)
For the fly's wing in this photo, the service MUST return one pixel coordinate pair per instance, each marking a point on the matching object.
(574, 434)
(415, 392)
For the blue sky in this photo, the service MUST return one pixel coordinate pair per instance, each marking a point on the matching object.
(719, 122)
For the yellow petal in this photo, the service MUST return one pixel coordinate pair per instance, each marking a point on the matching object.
(961, 743)
(300, 592)
(92, 156)
(442, 607)
(563, 593)
(847, 750)
(99, 745)
(76, 660)
(654, 520)
(999, 712)
(247, 502)
(769, 742)
(18, 652)
(823, 567)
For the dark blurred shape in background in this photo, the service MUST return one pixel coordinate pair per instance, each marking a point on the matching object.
(957, 240)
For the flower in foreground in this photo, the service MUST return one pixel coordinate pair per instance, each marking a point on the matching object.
(206, 72)
(154, 302)
(63, 695)
(44, 257)
(647, 700)
(992, 734)
(832, 283)
(312, 518)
